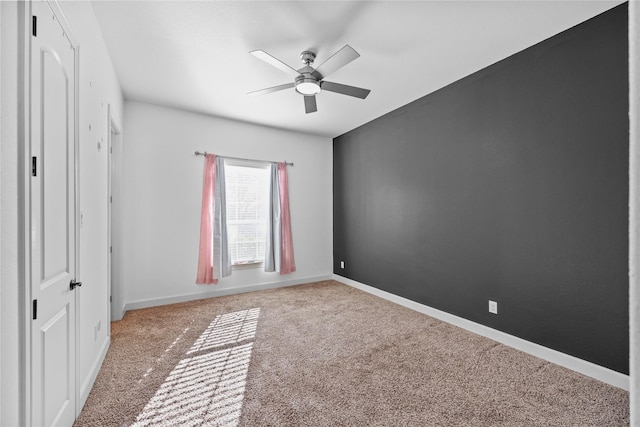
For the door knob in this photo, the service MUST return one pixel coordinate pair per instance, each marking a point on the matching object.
(73, 284)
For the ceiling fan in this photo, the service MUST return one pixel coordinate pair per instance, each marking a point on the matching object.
(309, 81)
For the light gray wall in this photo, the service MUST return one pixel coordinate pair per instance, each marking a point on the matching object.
(98, 88)
(162, 183)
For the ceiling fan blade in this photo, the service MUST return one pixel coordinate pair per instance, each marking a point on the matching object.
(261, 54)
(310, 104)
(272, 89)
(336, 61)
(357, 92)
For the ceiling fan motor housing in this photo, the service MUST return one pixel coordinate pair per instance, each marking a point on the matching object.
(308, 57)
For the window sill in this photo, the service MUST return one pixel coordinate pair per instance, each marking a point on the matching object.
(247, 265)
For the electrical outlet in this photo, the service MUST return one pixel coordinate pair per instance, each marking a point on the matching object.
(493, 307)
(342, 264)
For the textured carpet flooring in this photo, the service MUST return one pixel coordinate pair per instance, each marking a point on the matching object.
(325, 354)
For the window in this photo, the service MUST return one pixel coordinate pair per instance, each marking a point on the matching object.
(247, 188)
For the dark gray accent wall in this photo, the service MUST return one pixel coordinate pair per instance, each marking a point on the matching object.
(510, 184)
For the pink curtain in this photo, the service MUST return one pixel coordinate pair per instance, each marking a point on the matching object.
(205, 258)
(288, 262)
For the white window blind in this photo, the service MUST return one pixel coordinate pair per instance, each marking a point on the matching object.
(247, 203)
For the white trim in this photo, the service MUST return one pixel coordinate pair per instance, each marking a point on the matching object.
(109, 248)
(24, 210)
(247, 265)
(154, 302)
(85, 389)
(245, 163)
(1, 120)
(634, 212)
(582, 366)
(115, 134)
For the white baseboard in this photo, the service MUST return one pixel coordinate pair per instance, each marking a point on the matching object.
(589, 369)
(154, 302)
(86, 386)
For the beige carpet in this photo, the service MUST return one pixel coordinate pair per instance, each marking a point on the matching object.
(325, 354)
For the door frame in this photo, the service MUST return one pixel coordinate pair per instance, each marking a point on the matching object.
(24, 270)
(114, 138)
(24, 199)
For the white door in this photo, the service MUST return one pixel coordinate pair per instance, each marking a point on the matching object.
(52, 221)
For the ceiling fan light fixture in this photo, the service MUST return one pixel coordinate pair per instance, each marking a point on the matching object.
(307, 86)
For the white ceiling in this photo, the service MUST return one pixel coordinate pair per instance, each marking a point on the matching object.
(195, 55)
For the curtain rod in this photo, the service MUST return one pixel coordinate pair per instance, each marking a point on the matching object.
(198, 153)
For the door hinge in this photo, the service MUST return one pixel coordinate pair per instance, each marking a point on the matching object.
(110, 199)
(34, 26)
(35, 309)
(110, 298)
(34, 166)
(110, 249)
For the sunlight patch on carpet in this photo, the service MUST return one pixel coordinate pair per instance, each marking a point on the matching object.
(230, 328)
(178, 338)
(207, 388)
